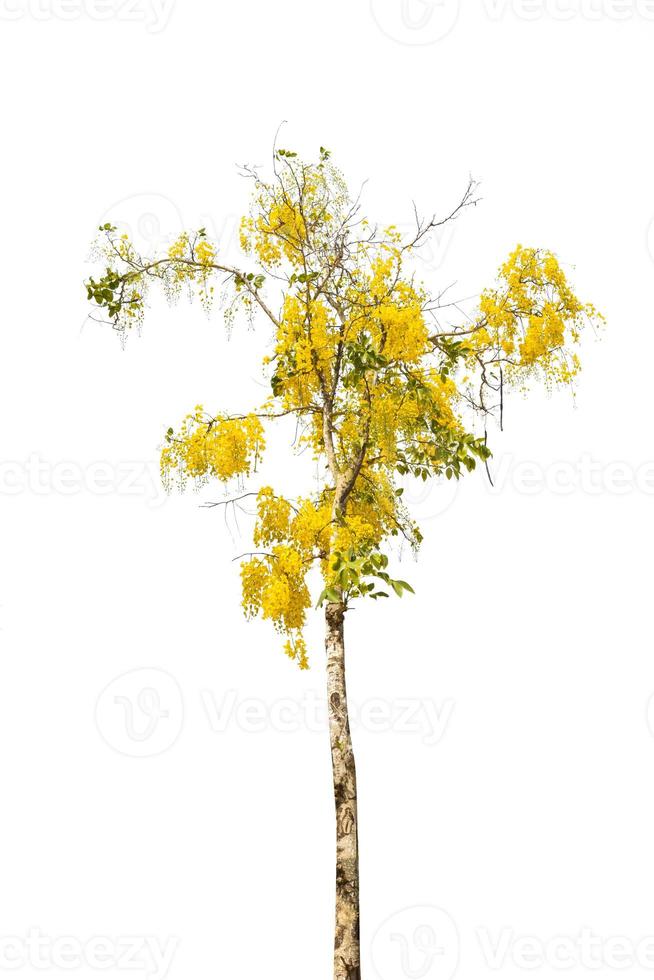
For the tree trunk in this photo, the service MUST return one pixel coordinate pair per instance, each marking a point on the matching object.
(347, 965)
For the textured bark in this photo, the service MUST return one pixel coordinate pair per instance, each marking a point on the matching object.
(346, 938)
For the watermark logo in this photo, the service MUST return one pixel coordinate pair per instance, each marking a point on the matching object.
(419, 943)
(145, 955)
(141, 713)
(410, 716)
(415, 22)
(423, 942)
(432, 251)
(42, 477)
(421, 22)
(585, 951)
(154, 14)
(150, 220)
(429, 499)
(562, 478)
(567, 10)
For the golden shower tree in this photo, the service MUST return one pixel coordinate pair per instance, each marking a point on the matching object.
(383, 385)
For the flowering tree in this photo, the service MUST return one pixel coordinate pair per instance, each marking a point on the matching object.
(384, 385)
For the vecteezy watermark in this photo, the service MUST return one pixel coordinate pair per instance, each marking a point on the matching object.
(412, 716)
(145, 954)
(424, 942)
(153, 221)
(420, 943)
(415, 22)
(141, 713)
(42, 477)
(585, 950)
(434, 247)
(566, 10)
(528, 478)
(420, 22)
(583, 475)
(428, 499)
(154, 14)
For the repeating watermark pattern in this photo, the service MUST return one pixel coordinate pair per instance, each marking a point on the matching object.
(153, 14)
(564, 477)
(153, 221)
(420, 943)
(585, 950)
(39, 476)
(147, 955)
(433, 250)
(421, 22)
(428, 499)
(141, 713)
(567, 10)
(416, 22)
(42, 477)
(410, 716)
(529, 478)
(425, 942)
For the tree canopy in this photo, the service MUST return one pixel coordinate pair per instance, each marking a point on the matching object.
(381, 378)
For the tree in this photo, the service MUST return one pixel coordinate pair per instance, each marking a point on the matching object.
(383, 384)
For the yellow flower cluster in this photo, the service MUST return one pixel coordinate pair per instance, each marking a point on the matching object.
(296, 648)
(277, 230)
(274, 515)
(532, 319)
(398, 414)
(254, 241)
(370, 516)
(191, 263)
(543, 334)
(395, 322)
(274, 585)
(205, 253)
(222, 448)
(295, 536)
(304, 349)
(180, 250)
(274, 582)
(311, 527)
(403, 329)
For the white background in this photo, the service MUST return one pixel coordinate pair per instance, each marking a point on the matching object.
(529, 812)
